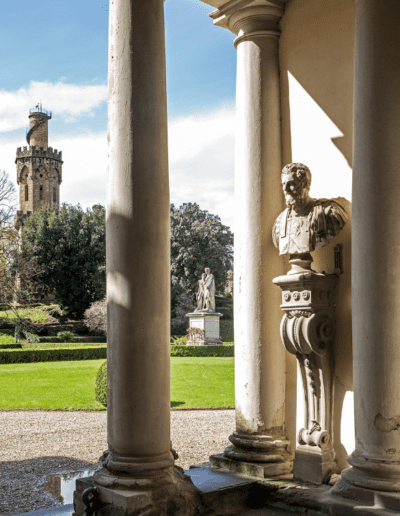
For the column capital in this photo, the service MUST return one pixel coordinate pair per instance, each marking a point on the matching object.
(247, 20)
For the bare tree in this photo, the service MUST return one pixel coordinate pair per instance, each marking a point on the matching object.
(8, 199)
(19, 276)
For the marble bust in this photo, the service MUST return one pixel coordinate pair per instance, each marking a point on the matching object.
(306, 223)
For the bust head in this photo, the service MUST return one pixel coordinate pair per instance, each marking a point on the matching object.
(296, 182)
(207, 271)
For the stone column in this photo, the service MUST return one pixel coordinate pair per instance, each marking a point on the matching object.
(259, 356)
(138, 411)
(137, 467)
(375, 248)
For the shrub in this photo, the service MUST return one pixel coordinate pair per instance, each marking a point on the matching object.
(227, 333)
(10, 346)
(81, 329)
(42, 331)
(30, 337)
(202, 351)
(53, 345)
(21, 356)
(54, 313)
(95, 317)
(101, 384)
(66, 336)
(179, 341)
(195, 334)
(76, 339)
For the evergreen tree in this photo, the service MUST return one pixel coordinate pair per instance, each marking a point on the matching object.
(70, 247)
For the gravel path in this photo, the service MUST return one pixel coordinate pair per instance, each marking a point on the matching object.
(34, 444)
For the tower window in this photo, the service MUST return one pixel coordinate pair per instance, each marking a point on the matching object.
(41, 193)
(26, 193)
(54, 195)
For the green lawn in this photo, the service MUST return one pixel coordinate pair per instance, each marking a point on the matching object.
(37, 314)
(7, 337)
(195, 382)
(202, 382)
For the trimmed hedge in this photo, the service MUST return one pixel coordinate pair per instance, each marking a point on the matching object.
(19, 356)
(51, 345)
(51, 355)
(100, 390)
(10, 346)
(202, 351)
(77, 339)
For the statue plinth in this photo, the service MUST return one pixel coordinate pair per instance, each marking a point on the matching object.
(204, 328)
(307, 331)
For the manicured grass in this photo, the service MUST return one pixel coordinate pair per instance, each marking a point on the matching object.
(195, 382)
(37, 314)
(7, 337)
(202, 382)
(49, 385)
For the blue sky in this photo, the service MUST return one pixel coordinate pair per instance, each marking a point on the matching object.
(56, 51)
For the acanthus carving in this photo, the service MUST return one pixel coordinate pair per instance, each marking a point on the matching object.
(307, 331)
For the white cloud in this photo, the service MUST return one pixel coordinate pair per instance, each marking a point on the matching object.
(70, 101)
(201, 164)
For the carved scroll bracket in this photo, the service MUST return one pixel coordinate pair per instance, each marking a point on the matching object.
(307, 331)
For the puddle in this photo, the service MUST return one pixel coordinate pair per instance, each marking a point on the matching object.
(62, 485)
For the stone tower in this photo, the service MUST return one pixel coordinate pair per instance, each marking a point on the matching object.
(39, 168)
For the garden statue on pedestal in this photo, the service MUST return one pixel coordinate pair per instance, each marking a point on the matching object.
(204, 321)
(308, 326)
(206, 293)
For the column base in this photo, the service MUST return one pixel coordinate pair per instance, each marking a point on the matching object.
(368, 498)
(172, 493)
(253, 469)
(314, 465)
(371, 472)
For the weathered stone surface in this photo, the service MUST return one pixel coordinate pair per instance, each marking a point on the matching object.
(39, 169)
(306, 223)
(206, 328)
(175, 495)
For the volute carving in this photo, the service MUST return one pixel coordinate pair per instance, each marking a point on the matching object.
(307, 331)
(308, 326)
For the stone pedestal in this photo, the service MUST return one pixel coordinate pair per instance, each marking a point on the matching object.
(307, 331)
(206, 328)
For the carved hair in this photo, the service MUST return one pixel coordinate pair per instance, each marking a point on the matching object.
(302, 172)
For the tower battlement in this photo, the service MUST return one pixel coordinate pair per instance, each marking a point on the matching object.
(32, 150)
(39, 168)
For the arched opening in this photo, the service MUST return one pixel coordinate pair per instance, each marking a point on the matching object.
(54, 195)
(41, 193)
(26, 193)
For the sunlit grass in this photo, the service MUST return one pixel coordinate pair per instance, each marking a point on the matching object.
(37, 315)
(195, 382)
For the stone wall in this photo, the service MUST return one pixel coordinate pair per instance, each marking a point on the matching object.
(40, 172)
(317, 79)
(39, 136)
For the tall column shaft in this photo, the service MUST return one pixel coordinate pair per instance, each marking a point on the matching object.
(138, 241)
(260, 361)
(375, 247)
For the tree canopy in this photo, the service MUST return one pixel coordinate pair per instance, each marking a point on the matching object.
(70, 247)
(198, 240)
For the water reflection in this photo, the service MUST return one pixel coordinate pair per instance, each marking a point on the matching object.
(62, 485)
